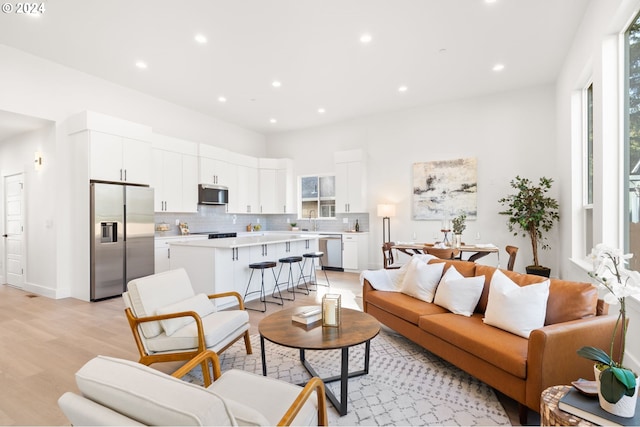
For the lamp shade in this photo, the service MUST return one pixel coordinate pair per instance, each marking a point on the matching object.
(386, 210)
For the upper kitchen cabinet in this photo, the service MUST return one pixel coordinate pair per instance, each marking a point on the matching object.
(216, 166)
(351, 179)
(175, 175)
(117, 150)
(247, 190)
(116, 158)
(276, 186)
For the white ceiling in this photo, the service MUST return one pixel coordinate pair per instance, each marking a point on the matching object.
(440, 49)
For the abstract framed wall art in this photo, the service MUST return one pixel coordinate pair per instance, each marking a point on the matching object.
(443, 189)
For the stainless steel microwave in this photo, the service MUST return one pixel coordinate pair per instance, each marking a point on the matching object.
(209, 194)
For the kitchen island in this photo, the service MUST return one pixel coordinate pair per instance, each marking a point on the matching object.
(222, 265)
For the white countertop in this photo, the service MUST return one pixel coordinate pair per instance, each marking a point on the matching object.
(243, 241)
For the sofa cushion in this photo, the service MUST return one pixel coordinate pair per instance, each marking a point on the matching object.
(150, 396)
(147, 294)
(220, 328)
(517, 309)
(249, 388)
(199, 303)
(495, 346)
(567, 300)
(401, 305)
(459, 294)
(421, 279)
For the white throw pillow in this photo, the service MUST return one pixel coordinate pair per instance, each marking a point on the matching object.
(421, 279)
(457, 293)
(199, 303)
(516, 309)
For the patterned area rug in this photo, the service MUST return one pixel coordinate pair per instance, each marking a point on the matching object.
(406, 384)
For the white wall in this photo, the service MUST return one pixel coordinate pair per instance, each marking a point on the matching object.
(17, 156)
(509, 133)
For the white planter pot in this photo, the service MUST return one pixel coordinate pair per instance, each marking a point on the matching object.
(625, 407)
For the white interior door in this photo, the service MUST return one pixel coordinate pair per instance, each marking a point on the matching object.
(14, 230)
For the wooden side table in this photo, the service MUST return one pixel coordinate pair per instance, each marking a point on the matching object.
(551, 415)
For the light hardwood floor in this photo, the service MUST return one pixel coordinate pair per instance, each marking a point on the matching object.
(43, 342)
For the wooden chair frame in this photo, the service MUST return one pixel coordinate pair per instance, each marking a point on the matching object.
(148, 359)
(315, 385)
(512, 251)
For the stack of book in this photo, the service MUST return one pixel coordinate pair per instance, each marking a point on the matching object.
(588, 408)
(308, 315)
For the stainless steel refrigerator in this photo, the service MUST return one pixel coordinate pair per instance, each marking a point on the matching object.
(122, 233)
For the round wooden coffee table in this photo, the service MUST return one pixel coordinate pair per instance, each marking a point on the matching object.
(355, 328)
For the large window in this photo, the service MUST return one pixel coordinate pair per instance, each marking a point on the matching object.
(632, 143)
(317, 196)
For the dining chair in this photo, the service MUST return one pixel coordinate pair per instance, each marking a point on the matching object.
(387, 256)
(512, 251)
(443, 253)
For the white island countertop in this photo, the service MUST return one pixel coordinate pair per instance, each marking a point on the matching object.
(244, 241)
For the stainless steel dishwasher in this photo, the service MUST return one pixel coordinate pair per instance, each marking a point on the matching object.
(331, 245)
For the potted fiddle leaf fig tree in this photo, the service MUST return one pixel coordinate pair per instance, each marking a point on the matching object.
(531, 213)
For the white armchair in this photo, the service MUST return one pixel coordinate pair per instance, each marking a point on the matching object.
(120, 392)
(170, 322)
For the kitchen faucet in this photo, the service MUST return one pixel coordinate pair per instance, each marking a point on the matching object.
(313, 225)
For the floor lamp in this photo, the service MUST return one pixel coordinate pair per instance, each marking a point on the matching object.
(386, 212)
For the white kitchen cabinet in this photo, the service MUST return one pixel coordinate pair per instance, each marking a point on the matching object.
(276, 186)
(355, 251)
(119, 159)
(175, 175)
(351, 178)
(247, 190)
(175, 182)
(162, 252)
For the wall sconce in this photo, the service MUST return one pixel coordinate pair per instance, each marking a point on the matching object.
(331, 310)
(38, 160)
(386, 211)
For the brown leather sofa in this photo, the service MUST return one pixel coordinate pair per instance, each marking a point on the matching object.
(518, 367)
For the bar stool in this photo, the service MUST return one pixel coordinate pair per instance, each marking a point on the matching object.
(312, 273)
(291, 285)
(262, 266)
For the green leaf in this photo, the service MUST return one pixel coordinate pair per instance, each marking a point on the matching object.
(595, 354)
(612, 390)
(626, 378)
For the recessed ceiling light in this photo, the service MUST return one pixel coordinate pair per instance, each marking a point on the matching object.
(141, 64)
(321, 110)
(402, 88)
(498, 67)
(200, 38)
(222, 99)
(273, 121)
(366, 38)
(490, 1)
(276, 83)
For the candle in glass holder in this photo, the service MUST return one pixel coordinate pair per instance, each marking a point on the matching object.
(331, 310)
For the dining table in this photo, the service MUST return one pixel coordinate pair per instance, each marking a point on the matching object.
(476, 251)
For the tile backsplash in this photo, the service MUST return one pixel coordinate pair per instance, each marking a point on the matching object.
(214, 218)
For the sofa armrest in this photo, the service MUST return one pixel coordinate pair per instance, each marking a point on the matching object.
(366, 287)
(81, 411)
(552, 358)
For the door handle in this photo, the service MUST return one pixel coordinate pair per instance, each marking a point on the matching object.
(5, 235)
